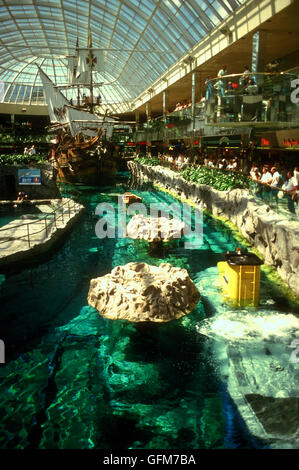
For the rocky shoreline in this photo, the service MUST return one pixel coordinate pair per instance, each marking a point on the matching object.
(274, 236)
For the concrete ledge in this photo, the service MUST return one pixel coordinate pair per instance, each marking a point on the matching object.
(28, 202)
(276, 237)
(14, 246)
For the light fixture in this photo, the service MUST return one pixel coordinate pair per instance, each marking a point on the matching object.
(24, 110)
(188, 60)
(225, 31)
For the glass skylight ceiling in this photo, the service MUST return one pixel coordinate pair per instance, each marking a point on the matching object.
(141, 39)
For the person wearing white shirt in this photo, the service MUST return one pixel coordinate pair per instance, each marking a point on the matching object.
(253, 172)
(231, 165)
(296, 174)
(32, 150)
(186, 162)
(290, 188)
(221, 81)
(266, 176)
(234, 164)
(179, 162)
(276, 177)
(290, 184)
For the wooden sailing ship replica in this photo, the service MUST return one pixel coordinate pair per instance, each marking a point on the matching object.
(81, 150)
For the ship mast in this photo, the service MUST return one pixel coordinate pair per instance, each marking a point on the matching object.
(90, 62)
(78, 88)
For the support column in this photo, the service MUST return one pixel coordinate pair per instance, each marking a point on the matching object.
(193, 97)
(148, 111)
(137, 115)
(13, 127)
(165, 112)
(137, 119)
(259, 40)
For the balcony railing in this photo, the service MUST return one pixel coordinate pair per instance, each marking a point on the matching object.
(280, 201)
(252, 97)
(176, 125)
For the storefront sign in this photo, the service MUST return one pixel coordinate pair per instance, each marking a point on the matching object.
(288, 138)
(290, 143)
(223, 141)
(266, 140)
(29, 176)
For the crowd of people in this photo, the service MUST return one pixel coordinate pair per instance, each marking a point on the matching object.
(275, 179)
(280, 181)
(246, 83)
(184, 105)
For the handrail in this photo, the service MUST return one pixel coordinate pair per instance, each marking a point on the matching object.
(249, 74)
(34, 221)
(45, 218)
(262, 191)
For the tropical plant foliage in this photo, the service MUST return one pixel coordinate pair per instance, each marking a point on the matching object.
(151, 161)
(218, 179)
(20, 159)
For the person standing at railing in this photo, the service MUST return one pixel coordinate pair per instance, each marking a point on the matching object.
(251, 88)
(295, 194)
(186, 162)
(290, 187)
(266, 180)
(221, 82)
(245, 77)
(209, 88)
(266, 176)
(252, 172)
(275, 183)
(276, 177)
(296, 174)
(255, 175)
(232, 165)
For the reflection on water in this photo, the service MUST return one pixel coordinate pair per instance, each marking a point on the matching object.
(76, 380)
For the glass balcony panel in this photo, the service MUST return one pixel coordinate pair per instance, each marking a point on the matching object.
(254, 97)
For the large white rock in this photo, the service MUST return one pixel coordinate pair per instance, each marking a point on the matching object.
(154, 229)
(140, 292)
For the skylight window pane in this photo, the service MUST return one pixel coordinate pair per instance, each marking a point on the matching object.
(38, 29)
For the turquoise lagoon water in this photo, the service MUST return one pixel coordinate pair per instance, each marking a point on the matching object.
(73, 379)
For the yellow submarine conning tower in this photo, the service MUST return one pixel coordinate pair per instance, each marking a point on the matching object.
(240, 278)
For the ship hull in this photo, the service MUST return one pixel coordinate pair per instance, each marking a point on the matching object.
(91, 172)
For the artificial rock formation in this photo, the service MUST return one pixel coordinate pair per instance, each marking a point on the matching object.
(139, 292)
(271, 233)
(154, 229)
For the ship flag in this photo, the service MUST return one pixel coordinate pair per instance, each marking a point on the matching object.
(89, 59)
